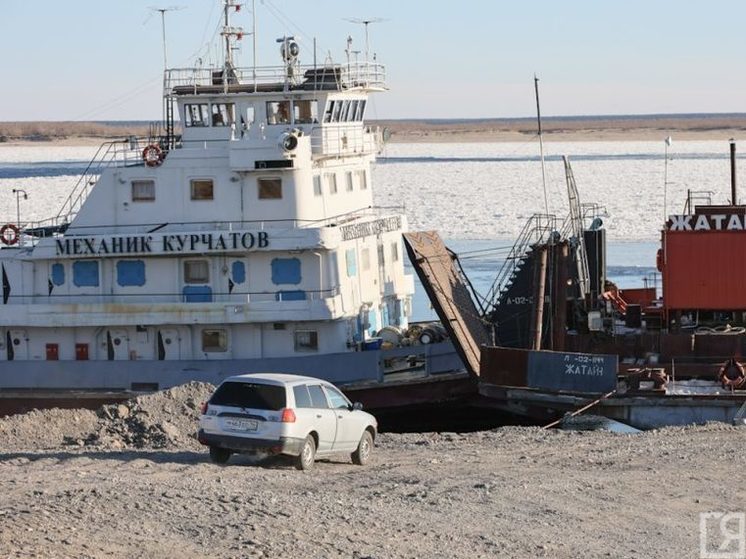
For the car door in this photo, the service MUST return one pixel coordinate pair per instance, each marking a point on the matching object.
(349, 429)
(325, 420)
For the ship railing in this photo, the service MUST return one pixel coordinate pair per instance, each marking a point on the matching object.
(352, 75)
(538, 228)
(297, 295)
(589, 213)
(696, 198)
(353, 139)
(127, 152)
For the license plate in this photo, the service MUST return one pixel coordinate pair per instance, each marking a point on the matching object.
(241, 424)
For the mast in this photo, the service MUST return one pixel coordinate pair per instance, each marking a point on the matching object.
(541, 147)
(230, 33)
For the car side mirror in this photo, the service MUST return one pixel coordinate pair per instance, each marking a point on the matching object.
(357, 406)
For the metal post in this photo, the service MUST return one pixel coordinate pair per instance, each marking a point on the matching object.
(253, 36)
(733, 172)
(541, 146)
(540, 276)
(18, 192)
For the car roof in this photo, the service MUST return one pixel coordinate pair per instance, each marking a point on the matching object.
(274, 378)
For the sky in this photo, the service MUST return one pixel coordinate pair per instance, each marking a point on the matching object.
(103, 59)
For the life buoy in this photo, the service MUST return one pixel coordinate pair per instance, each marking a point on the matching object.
(732, 374)
(9, 234)
(152, 155)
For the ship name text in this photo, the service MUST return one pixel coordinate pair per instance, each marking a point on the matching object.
(711, 222)
(376, 227)
(142, 244)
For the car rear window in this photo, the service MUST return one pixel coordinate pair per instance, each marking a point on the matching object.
(249, 395)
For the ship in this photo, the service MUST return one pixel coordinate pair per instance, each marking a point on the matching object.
(239, 236)
(554, 337)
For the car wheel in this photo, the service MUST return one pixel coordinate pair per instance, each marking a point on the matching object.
(307, 455)
(364, 449)
(219, 455)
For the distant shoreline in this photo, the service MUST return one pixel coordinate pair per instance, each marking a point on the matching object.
(584, 128)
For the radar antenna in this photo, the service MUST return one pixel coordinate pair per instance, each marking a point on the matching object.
(366, 23)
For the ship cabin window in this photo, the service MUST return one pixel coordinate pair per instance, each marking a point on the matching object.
(278, 112)
(362, 179)
(196, 115)
(365, 259)
(351, 262)
(306, 340)
(85, 273)
(317, 185)
(58, 273)
(305, 112)
(196, 271)
(328, 112)
(214, 340)
(223, 114)
(352, 114)
(143, 191)
(247, 119)
(202, 189)
(331, 180)
(394, 252)
(270, 188)
(349, 181)
(130, 273)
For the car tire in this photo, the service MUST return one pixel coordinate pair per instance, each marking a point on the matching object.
(361, 456)
(307, 456)
(219, 455)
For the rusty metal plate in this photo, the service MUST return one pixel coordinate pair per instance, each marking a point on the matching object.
(449, 295)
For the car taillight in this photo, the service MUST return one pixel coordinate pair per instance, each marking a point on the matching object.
(203, 408)
(288, 416)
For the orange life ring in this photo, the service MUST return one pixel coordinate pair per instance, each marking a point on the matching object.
(9, 234)
(152, 155)
(731, 374)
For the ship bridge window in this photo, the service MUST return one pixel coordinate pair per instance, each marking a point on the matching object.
(331, 180)
(362, 179)
(270, 188)
(202, 189)
(85, 273)
(337, 110)
(317, 185)
(344, 115)
(196, 115)
(223, 114)
(349, 181)
(360, 111)
(328, 112)
(278, 112)
(196, 271)
(305, 112)
(143, 191)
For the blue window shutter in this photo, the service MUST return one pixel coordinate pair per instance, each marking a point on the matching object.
(197, 294)
(58, 274)
(85, 273)
(131, 272)
(286, 270)
(239, 271)
(297, 295)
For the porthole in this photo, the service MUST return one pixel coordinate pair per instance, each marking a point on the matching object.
(16, 341)
(168, 341)
(117, 341)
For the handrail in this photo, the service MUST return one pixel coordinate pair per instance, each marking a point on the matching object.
(537, 228)
(364, 75)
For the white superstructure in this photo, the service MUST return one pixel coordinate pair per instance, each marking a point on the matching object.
(250, 236)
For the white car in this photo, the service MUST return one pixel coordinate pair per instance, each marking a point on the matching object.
(303, 417)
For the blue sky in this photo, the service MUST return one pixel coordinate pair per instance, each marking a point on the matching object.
(102, 59)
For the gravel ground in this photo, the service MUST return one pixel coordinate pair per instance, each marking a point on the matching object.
(96, 484)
